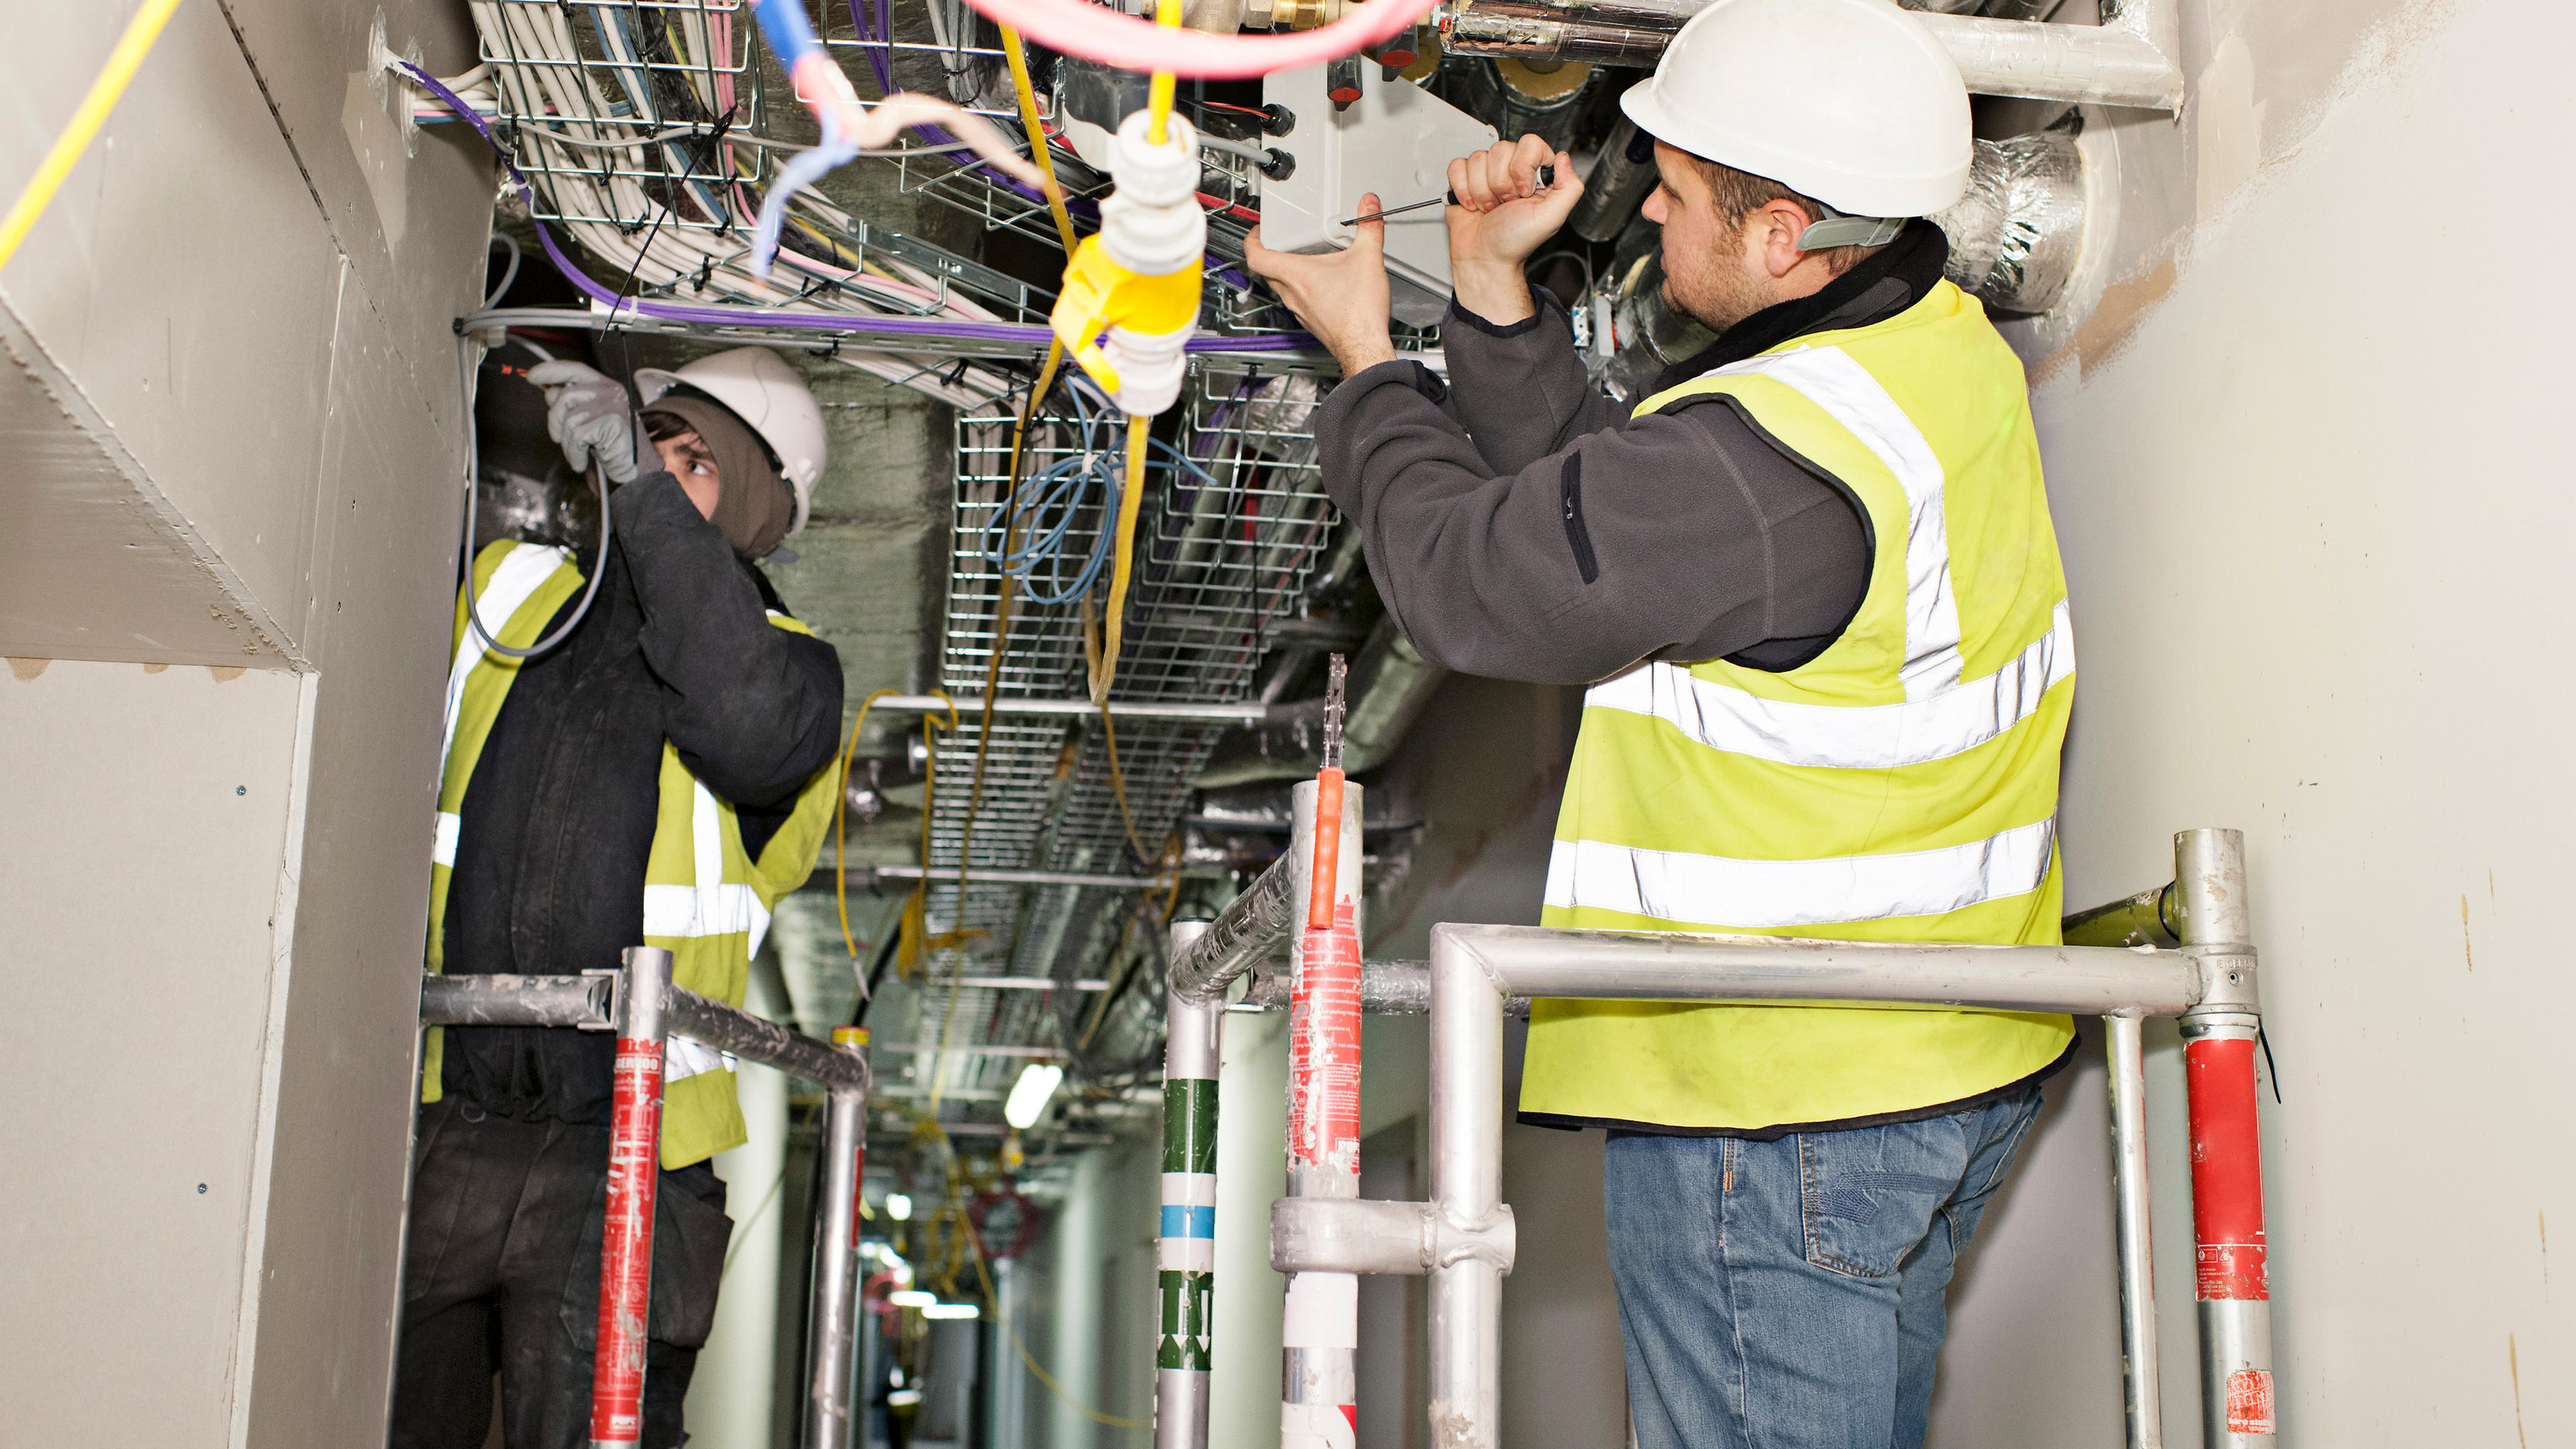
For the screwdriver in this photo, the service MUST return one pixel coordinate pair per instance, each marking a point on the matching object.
(1546, 179)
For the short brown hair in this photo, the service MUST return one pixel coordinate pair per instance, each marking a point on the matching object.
(1739, 194)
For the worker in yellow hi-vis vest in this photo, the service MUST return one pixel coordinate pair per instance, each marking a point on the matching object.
(639, 748)
(1810, 580)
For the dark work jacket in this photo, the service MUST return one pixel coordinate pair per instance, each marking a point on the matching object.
(557, 821)
(1522, 525)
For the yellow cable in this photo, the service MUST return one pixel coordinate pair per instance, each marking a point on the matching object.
(1158, 100)
(104, 93)
(916, 906)
(1018, 57)
(1131, 503)
(841, 829)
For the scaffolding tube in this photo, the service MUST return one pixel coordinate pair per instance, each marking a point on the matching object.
(2232, 1284)
(634, 1175)
(1250, 926)
(1319, 1374)
(832, 1311)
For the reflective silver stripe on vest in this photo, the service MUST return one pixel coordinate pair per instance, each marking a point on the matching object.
(711, 906)
(1714, 890)
(1848, 737)
(1831, 379)
(521, 572)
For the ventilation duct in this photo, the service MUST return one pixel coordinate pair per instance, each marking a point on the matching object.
(2014, 242)
(2127, 60)
(2015, 237)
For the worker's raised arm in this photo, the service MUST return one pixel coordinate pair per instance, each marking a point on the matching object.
(1519, 388)
(754, 709)
(1683, 537)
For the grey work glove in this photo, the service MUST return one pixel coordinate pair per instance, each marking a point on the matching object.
(589, 416)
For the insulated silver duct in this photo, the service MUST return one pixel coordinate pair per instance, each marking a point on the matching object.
(1618, 184)
(1999, 9)
(2014, 241)
(2015, 237)
(2127, 60)
(1532, 30)
(1647, 334)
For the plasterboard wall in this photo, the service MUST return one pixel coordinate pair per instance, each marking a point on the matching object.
(241, 299)
(2312, 492)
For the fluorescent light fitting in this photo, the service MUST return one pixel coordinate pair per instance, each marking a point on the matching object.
(898, 1206)
(1030, 1095)
(912, 1298)
(952, 1310)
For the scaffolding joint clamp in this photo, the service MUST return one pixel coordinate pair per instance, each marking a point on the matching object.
(2230, 981)
(1351, 1235)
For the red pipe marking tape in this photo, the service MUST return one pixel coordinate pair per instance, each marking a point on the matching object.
(2226, 1173)
(626, 1244)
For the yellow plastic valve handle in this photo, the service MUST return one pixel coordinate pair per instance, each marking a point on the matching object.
(1100, 294)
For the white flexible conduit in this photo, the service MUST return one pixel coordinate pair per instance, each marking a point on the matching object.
(591, 162)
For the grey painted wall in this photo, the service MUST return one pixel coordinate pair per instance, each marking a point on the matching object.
(238, 311)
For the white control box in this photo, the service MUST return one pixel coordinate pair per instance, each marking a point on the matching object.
(1396, 140)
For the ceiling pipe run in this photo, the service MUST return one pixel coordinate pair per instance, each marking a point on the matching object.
(2127, 60)
(1390, 684)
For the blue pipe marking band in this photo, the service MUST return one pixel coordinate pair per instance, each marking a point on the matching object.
(1188, 1222)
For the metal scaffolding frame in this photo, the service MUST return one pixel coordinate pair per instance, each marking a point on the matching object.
(640, 1004)
(2183, 950)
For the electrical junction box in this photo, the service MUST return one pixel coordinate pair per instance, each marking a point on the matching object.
(1397, 140)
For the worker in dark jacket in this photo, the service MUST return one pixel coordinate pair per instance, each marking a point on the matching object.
(660, 776)
(1812, 585)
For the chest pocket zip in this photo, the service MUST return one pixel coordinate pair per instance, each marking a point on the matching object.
(1576, 534)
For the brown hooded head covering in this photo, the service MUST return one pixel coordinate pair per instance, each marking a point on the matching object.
(753, 506)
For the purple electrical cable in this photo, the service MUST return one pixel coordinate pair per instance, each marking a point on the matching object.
(731, 316)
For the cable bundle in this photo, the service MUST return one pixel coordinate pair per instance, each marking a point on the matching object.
(641, 159)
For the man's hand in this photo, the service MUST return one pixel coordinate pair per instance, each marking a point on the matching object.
(589, 416)
(1341, 297)
(1501, 217)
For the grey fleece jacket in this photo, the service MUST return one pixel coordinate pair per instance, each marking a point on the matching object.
(1521, 525)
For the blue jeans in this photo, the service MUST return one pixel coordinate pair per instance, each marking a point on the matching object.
(1788, 1294)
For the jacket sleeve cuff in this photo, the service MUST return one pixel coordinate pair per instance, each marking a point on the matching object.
(1543, 299)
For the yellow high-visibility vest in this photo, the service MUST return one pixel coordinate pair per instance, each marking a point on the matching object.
(1901, 786)
(706, 900)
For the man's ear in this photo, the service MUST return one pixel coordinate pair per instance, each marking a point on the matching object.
(1780, 223)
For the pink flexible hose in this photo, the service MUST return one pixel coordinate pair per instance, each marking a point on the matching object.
(1093, 32)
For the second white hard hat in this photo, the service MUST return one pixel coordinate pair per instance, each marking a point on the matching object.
(757, 386)
(1848, 101)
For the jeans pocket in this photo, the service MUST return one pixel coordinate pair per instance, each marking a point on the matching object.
(1869, 1194)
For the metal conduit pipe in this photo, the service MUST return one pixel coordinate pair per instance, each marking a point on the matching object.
(2128, 60)
(1185, 1252)
(1391, 684)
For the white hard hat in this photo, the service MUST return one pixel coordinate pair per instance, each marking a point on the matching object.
(1851, 102)
(757, 386)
